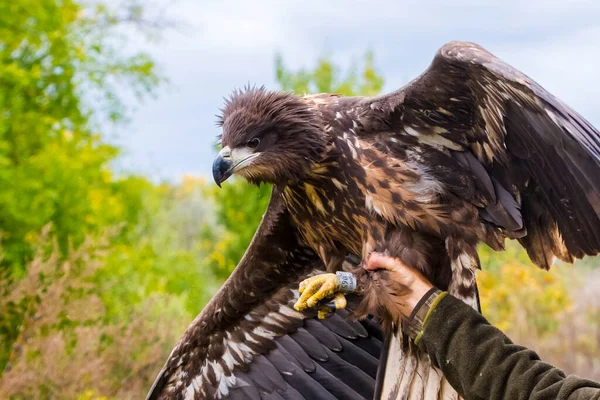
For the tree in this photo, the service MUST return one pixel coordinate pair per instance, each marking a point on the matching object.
(60, 71)
(328, 78)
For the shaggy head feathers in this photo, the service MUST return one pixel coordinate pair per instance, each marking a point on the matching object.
(290, 134)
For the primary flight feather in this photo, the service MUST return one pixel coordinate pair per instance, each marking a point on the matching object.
(471, 151)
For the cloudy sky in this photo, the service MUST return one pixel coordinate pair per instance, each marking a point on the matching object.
(230, 43)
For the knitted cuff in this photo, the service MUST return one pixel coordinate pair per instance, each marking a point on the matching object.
(414, 325)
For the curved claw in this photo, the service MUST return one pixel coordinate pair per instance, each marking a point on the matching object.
(340, 301)
(326, 310)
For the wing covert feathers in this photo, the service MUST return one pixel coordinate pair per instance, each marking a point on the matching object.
(529, 162)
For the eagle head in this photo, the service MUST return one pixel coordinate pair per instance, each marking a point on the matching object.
(268, 137)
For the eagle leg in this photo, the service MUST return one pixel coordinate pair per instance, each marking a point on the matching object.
(332, 257)
(335, 262)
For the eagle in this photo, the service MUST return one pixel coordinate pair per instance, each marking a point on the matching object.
(472, 151)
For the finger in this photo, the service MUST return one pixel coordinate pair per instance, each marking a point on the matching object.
(380, 261)
(340, 301)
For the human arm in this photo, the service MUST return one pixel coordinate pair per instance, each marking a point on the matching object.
(478, 360)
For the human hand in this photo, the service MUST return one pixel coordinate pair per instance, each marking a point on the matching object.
(403, 285)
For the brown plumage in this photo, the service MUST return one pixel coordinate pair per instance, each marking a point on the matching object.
(471, 151)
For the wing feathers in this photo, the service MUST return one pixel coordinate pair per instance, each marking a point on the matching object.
(505, 211)
(306, 386)
(347, 372)
(356, 355)
(323, 335)
(341, 327)
(291, 348)
(310, 345)
(309, 362)
(524, 149)
(249, 342)
(481, 177)
(561, 186)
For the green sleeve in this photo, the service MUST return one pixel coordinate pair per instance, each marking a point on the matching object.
(480, 362)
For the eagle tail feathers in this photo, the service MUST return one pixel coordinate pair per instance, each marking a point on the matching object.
(410, 375)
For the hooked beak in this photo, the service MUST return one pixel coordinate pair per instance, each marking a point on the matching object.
(222, 167)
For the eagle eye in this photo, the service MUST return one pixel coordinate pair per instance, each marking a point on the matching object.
(253, 143)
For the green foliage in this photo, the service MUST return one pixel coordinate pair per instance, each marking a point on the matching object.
(56, 60)
(326, 78)
(64, 350)
(238, 208)
(61, 67)
(164, 252)
(514, 292)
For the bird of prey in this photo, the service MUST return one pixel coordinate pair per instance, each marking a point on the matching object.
(471, 151)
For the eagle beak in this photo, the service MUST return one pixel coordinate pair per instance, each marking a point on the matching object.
(222, 167)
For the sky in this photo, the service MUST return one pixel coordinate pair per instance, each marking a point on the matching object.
(226, 44)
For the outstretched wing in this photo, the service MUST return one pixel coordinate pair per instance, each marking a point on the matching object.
(495, 137)
(250, 343)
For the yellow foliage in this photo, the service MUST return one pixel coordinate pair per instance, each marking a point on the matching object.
(517, 294)
(555, 313)
(91, 395)
(65, 348)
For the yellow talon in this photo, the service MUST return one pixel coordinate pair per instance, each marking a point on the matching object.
(340, 301)
(315, 289)
(324, 312)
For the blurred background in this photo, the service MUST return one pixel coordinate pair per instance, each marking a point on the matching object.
(113, 236)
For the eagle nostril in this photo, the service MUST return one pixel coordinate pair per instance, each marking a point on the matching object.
(225, 152)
